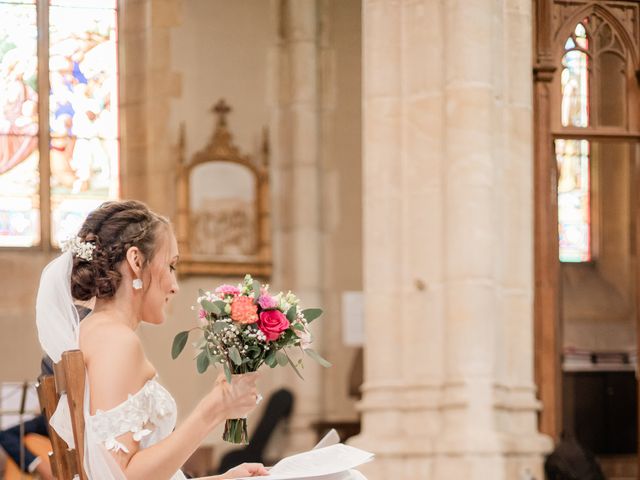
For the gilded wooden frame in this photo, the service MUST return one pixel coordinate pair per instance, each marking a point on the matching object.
(221, 149)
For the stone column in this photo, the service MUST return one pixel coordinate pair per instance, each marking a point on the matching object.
(448, 243)
(296, 189)
(148, 84)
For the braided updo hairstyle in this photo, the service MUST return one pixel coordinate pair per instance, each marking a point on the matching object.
(113, 227)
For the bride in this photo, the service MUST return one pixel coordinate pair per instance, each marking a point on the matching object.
(125, 257)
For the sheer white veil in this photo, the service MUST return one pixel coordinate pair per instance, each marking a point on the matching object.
(56, 317)
(58, 326)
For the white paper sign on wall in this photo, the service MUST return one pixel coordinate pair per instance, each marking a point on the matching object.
(353, 319)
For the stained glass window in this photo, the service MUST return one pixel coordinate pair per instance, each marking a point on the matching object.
(575, 80)
(19, 178)
(574, 219)
(82, 114)
(82, 110)
(572, 156)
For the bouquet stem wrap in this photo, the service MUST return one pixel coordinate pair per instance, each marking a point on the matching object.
(235, 431)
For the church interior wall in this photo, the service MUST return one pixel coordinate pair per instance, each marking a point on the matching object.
(177, 60)
(218, 50)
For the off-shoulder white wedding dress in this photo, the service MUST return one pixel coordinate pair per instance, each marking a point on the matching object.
(150, 414)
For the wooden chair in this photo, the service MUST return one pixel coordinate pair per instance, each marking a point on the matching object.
(69, 378)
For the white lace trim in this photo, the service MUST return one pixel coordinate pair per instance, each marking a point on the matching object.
(139, 414)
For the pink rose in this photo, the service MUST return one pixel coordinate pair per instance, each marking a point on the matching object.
(227, 290)
(267, 301)
(272, 323)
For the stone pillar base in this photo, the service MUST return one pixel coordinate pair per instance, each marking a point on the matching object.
(474, 455)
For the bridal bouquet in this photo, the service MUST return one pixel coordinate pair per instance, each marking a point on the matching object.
(243, 327)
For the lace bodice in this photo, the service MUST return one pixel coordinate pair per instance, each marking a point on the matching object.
(148, 414)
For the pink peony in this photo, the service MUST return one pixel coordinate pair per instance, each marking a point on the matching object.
(243, 310)
(272, 323)
(202, 315)
(228, 290)
(267, 301)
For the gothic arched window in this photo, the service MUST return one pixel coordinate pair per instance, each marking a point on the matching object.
(69, 134)
(593, 96)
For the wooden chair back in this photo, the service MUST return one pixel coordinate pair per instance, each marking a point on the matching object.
(69, 378)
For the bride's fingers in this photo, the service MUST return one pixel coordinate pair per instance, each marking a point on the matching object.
(256, 469)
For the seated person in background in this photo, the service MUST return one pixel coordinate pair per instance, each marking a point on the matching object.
(571, 461)
(33, 460)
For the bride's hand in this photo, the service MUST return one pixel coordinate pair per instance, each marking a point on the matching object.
(238, 398)
(246, 470)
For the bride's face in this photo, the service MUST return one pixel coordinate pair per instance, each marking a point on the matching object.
(161, 279)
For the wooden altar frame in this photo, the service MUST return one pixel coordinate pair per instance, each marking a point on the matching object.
(221, 149)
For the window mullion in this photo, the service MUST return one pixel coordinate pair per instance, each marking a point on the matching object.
(43, 119)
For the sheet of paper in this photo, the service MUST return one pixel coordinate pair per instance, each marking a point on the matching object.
(325, 461)
(331, 438)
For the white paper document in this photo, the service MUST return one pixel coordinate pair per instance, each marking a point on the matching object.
(330, 462)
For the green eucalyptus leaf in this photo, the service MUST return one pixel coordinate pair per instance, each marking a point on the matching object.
(221, 305)
(281, 358)
(202, 293)
(219, 326)
(202, 361)
(227, 371)
(271, 359)
(317, 357)
(210, 307)
(179, 341)
(297, 326)
(291, 313)
(312, 313)
(256, 288)
(234, 355)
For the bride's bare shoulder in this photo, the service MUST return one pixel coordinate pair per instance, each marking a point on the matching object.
(115, 361)
(99, 331)
(108, 344)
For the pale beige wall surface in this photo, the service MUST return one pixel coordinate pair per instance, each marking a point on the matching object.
(220, 51)
(20, 351)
